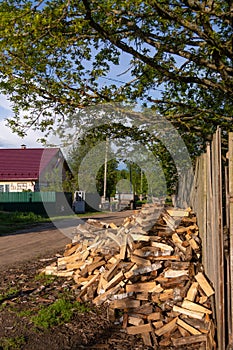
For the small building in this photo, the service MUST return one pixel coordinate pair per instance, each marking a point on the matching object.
(30, 169)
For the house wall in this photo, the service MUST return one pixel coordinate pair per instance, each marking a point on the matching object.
(17, 186)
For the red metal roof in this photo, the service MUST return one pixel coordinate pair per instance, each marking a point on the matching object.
(24, 164)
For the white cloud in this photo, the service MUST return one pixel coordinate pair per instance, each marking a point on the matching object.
(4, 102)
(8, 139)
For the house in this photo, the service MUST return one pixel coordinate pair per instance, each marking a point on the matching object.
(30, 169)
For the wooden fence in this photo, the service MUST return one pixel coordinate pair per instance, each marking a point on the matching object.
(211, 197)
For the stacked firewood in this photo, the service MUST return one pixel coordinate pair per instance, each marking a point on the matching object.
(148, 272)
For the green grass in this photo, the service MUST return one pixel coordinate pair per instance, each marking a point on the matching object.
(24, 313)
(13, 221)
(45, 279)
(9, 293)
(10, 222)
(61, 311)
(9, 343)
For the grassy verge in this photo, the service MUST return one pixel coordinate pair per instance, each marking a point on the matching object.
(11, 222)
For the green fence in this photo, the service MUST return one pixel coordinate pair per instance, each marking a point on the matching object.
(34, 202)
(27, 197)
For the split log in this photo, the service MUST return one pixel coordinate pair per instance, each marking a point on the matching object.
(195, 307)
(135, 321)
(115, 280)
(193, 339)
(147, 339)
(187, 327)
(162, 246)
(154, 316)
(108, 275)
(142, 270)
(140, 261)
(192, 292)
(194, 314)
(175, 273)
(125, 303)
(178, 212)
(139, 329)
(169, 327)
(141, 287)
(204, 284)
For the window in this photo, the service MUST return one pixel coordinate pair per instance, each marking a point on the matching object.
(7, 188)
(1, 188)
(21, 186)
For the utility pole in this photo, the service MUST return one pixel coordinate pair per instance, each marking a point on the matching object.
(141, 185)
(130, 178)
(105, 167)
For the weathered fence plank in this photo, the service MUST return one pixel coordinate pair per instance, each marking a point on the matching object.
(230, 296)
(217, 229)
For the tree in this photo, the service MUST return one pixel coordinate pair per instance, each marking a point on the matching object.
(82, 167)
(59, 56)
(57, 180)
(111, 179)
(132, 179)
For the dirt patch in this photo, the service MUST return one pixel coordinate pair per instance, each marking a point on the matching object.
(24, 293)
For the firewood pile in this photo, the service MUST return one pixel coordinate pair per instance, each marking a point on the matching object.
(148, 272)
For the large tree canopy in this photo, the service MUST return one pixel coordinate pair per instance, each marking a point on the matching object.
(57, 56)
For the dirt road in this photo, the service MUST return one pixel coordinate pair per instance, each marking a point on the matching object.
(44, 239)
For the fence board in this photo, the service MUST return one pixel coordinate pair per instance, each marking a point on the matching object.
(217, 230)
(230, 296)
(209, 218)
